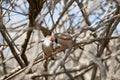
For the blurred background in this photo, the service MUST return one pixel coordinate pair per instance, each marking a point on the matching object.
(93, 24)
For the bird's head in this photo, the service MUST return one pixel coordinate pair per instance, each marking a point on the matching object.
(51, 37)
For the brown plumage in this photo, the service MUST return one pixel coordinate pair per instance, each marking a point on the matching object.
(63, 39)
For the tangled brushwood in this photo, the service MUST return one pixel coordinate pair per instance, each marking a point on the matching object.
(59, 40)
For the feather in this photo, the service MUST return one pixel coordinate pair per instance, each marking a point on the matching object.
(63, 39)
(47, 47)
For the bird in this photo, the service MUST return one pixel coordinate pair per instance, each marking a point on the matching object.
(64, 40)
(47, 47)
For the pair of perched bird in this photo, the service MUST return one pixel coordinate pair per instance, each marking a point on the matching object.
(65, 41)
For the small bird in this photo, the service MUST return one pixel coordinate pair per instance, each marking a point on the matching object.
(63, 39)
(47, 47)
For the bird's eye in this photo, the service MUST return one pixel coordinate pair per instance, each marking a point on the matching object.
(56, 40)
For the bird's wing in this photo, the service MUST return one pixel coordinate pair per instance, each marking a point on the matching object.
(65, 37)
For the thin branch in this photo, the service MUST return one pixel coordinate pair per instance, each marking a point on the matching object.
(64, 10)
(10, 44)
(83, 12)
